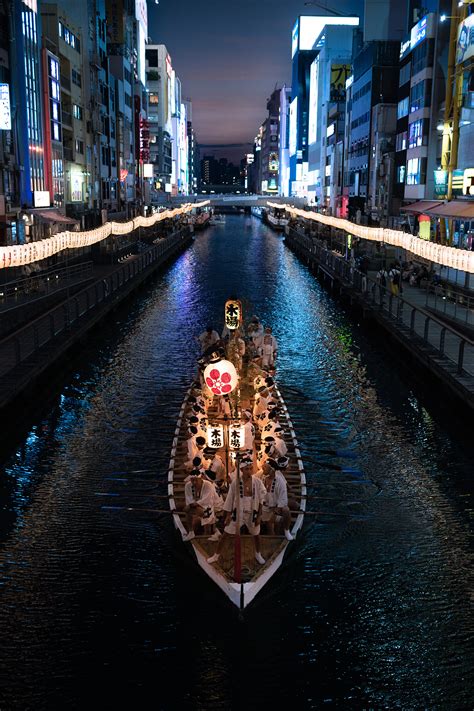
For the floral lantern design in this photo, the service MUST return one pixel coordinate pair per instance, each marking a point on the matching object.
(221, 378)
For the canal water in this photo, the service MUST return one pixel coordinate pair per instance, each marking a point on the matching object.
(103, 608)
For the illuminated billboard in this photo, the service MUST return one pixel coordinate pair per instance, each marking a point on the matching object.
(308, 28)
(465, 43)
(313, 102)
(141, 13)
(294, 38)
(293, 125)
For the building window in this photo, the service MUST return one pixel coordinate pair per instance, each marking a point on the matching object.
(402, 109)
(401, 172)
(152, 57)
(77, 112)
(422, 57)
(153, 98)
(79, 146)
(76, 78)
(416, 171)
(60, 29)
(418, 133)
(420, 95)
(401, 141)
(405, 73)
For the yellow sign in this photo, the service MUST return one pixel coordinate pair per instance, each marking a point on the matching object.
(233, 314)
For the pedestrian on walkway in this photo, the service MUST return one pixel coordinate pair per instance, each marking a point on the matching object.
(394, 275)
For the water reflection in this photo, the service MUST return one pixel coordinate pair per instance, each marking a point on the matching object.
(372, 609)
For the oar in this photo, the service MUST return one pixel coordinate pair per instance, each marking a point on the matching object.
(332, 483)
(133, 508)
(132, 494)
(330, 498)
(134, 471)
(334, 467)
(349, 454)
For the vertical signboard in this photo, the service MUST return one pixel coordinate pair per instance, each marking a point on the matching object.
(293, 126)
(5, 109)
(313, 102)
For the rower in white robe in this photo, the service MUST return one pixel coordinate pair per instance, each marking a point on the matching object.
(276, 498)
(199, 498)
(243, 506)
(267, 348)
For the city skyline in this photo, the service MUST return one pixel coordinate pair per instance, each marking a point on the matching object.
(249, 55)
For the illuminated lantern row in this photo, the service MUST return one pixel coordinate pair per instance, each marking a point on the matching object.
(22, 254)
(221, 378)
(232, 314)
(437, 253)
(215, 436)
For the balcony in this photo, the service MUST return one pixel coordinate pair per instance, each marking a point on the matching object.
(65, 84)
(66, 119)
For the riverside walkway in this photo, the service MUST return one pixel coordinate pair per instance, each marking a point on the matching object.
(27, 353)
(436, 344)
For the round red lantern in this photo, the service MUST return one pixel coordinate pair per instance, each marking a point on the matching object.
(221, 378)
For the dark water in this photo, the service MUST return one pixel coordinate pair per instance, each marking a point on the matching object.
(102, 609)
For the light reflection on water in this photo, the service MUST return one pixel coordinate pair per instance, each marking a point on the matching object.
(372, 609)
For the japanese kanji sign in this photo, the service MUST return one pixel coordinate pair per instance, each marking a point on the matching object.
(215, 436)
(233, 314)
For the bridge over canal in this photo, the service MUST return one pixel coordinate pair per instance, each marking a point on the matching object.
(229, 200)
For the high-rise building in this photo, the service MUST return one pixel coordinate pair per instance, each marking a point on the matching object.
(375, 84)
(329, 72)
(161, 102)
(284, 157)
(10, 201)
(101, 187)
(65, 114)
(423, 66)
(307, 37)
(27, 77)
(270, 147)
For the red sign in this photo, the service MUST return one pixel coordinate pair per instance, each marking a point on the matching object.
(123, 175)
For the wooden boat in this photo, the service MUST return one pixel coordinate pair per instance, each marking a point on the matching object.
(253, 576)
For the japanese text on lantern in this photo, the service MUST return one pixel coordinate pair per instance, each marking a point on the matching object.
(233, 314)
(215, 436)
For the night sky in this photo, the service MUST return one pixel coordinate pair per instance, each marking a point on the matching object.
(229, 57)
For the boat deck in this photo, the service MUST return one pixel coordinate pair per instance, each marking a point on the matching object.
(272, 546)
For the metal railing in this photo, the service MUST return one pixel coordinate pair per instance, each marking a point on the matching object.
(454, 304)
(39, 284)
(419, 323)
(57, 322)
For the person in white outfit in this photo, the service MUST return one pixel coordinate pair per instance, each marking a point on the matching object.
(236, 350)
(249, 430)
(195, 446)
(267, 348)
(244, 507)
(208, 338)
(199, 504)
(276, 498)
